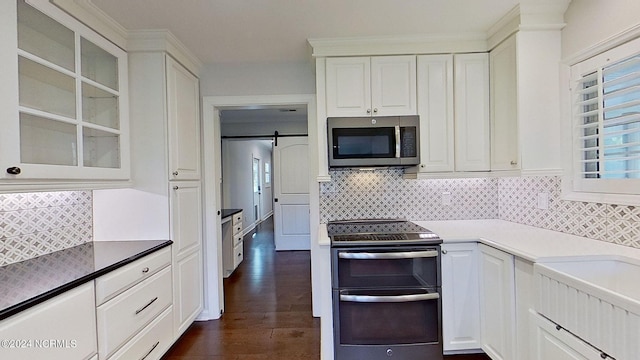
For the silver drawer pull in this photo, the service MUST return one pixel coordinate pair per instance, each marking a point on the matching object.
(389, 255)
(145, 270)
(389, 299)
(146, 306)
(150, 351)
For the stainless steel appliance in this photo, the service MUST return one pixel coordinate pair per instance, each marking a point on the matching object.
(374, 141)
(386, 290)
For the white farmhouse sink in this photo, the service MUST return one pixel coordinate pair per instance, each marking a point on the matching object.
(596, 298)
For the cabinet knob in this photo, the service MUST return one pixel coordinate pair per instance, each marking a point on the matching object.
(175, 188)
(145, 270)
(368, 111)
(14, 170)
(513, 162)
(175, 173)
(444, 252)
(603, 355)
(375, 110)
(422, 166)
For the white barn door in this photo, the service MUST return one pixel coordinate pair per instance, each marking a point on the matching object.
(291, 193)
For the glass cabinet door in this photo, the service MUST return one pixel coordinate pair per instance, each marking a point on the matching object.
(69, 95)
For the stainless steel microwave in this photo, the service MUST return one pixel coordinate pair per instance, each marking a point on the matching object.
(374, 141)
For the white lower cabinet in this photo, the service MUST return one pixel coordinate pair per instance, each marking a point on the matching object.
(188, 291)
(460, 302)
(121, 318)
(152, 342)
(497, 303)
(232, 244)
(552, 342)
(62, 328)
(133, 305)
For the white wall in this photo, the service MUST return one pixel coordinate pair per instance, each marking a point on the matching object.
(590, 22)
(237, 169)
(258, 79)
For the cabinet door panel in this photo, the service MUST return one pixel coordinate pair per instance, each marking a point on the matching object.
(460, 302)
(435, 107)
(348, 82)
(393, 85)
(505, 152)
(183, 106)
(186, 215)
(497, 303)
(188, 291)
(61, 328)
(472, 112)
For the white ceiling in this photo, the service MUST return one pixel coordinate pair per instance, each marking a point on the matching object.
(276, 31)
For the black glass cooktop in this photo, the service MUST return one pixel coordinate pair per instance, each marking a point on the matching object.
(379, 232)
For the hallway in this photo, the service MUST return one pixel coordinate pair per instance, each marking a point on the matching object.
(267, 309)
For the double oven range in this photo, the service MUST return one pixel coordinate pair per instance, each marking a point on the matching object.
(386, 290)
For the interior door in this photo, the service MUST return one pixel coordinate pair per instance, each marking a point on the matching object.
(291, 193)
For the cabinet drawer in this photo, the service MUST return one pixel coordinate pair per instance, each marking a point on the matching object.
(115, 282)
(237, 219)
(237, 239)
(238, 255)
(237, 229)
(150, 343)
(126, 314)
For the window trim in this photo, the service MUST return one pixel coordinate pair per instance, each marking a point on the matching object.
(574, 187)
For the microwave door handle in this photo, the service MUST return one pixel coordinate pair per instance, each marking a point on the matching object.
(397, 141)
(388, 299)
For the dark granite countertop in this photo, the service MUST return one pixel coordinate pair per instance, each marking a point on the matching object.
(229, 212)
(30, 282)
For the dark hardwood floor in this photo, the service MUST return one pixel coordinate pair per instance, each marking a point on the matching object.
(267, 310)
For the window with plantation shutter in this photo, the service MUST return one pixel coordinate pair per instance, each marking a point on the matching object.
(606, 112)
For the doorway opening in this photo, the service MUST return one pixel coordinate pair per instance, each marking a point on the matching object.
(216, 112)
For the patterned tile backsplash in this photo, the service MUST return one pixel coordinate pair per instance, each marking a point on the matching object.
(34, 224)
(385, 194)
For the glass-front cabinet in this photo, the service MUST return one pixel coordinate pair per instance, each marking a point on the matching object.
(65, 115)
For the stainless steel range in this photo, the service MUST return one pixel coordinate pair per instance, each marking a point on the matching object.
(386, 290)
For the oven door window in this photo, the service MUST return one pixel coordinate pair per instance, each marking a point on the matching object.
(391, 268)
(363, 143)
(388, 317)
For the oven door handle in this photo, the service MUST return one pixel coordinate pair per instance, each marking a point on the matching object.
(389, 299)
(388, 255)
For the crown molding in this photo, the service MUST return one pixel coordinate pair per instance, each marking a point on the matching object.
(399, 45)
(507, 25)
(163, 41)
(92, 16)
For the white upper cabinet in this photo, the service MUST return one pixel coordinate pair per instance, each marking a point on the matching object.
(64, 98)
(183, 112)
(435, 108)
(505, 150)
(472, 134)
(371, 86)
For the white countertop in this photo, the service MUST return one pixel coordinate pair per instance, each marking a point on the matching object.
(527, 242)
